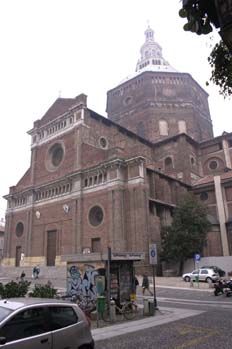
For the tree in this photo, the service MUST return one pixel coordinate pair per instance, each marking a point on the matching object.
(186, 236)
(202, 16)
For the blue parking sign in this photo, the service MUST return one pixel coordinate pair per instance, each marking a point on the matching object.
(152, 254)
(197, 257)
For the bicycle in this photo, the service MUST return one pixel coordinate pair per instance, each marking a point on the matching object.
(87, 304)
(127, 309)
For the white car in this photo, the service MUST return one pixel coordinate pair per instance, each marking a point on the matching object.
(202, 274)
(33, 323)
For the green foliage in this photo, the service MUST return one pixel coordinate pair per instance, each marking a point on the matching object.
(43, 291)
(220, 61)
(200, 15)
(187, 234)
(14, 289)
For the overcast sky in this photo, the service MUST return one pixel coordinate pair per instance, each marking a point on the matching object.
(67, 47)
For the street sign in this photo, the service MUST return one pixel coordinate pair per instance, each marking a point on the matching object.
(197, 257)
(152, 254)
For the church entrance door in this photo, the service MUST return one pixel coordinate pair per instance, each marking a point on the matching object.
(51, 247)
(18, 255)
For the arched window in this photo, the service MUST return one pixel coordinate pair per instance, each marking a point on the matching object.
(168, 164)
(163, 127)
(182, 126)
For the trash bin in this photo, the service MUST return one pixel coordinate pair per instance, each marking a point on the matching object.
(145, 307)
(101, 302)
(151, 307)
(197, 278)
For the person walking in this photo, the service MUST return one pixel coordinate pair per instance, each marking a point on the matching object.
(145, 285)
(22, 276)
(35, 273)
(136, 283)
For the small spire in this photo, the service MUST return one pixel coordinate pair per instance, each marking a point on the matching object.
(151, 55)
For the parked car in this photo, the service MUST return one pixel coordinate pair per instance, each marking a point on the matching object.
(204, 274)
(216, 269)
(34, 323)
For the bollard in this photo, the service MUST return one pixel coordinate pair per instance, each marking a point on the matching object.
(112, 311)
(145, 307)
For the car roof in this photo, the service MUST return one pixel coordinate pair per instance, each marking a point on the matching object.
(16, 303)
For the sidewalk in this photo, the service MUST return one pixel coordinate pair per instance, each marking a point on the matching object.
(162, 316)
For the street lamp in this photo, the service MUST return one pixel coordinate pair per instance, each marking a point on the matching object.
(224, 12)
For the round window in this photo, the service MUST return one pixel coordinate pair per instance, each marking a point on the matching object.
(128, 100)
(213, 165)
(57, 154)
(96, 216)
(19, 229)
(103, 142)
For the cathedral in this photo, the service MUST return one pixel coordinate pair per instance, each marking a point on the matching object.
(97, 182)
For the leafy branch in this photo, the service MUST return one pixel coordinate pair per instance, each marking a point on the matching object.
(201, 17)
(220, 61)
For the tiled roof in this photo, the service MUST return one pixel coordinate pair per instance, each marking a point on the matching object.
(204, 180)
(210, 178)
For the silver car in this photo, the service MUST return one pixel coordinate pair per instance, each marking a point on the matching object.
(202, 274)
(34, 323)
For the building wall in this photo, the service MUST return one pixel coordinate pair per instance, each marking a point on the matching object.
(140, 103)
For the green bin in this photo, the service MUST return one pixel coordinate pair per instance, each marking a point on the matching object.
(101, 302)
(197, 278)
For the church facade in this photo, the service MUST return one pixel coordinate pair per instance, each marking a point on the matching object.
(97, 182)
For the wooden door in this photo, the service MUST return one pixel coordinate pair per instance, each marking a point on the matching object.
(51, 247)
(18, 256)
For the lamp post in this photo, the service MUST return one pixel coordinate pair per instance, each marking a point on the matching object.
(224, 12)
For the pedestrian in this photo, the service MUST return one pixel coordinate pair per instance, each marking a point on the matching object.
(145, 284)
(35, 273)
(136, 283)
(22, 276)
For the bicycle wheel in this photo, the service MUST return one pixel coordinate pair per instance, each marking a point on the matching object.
(129, 311)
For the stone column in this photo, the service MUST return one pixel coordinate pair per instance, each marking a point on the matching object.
(221, 215)
(226, 153)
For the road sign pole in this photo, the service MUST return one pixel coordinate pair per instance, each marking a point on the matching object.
(154, 291)
(153, 262)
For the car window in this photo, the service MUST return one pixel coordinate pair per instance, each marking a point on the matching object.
(62, 316)
(26, 323)
(195, 272)
(4, 312)
(204, 271)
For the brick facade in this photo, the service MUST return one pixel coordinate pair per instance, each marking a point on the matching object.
(96, 182)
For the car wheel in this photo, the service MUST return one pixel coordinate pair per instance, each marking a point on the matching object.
(187, 279)
(209, 280)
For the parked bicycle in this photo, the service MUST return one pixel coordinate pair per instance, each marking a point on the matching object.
(127, 309)
(87, 304)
